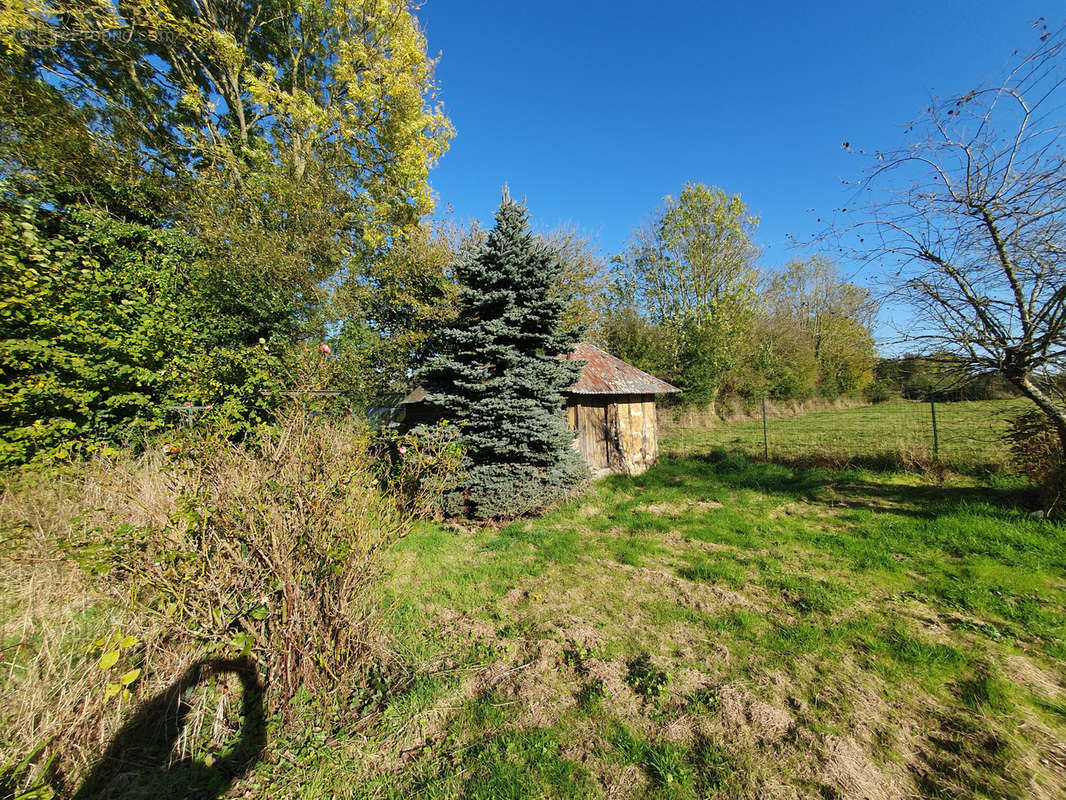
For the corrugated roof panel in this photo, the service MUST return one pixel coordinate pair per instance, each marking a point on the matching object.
(605, 374)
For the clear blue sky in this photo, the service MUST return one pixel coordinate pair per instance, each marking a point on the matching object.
(593, 110)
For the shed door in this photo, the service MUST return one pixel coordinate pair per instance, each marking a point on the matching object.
(588, 416)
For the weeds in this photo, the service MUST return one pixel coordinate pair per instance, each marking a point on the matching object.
(645, 678)
(664, 763)
(704, 701)
(268, 551)
(1037, 450)
(52, 686)
(676, 771)
(17, 781)
(591, 695)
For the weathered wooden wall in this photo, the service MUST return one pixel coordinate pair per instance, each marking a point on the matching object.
(615, 432)
(632, 430)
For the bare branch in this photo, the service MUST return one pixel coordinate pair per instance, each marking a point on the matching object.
(972, 211)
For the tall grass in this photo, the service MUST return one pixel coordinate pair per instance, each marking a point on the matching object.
(51, 684)
(125, 573)
(732, 410)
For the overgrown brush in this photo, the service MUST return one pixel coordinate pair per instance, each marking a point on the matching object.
(270, 550)
(1037, 451)
(201, 552)
(54, 716)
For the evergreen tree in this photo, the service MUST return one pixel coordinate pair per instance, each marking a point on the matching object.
(499, 375)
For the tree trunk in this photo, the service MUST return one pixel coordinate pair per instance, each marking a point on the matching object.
(1054, 412)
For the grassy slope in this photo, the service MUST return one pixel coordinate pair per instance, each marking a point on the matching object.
(888, 434)
(728, 629)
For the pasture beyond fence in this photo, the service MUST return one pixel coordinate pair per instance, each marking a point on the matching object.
(967, 436)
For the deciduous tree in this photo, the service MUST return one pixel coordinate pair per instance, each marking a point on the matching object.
(340, 92)
(692, 271)
(833, 315)
(288, 140)
(969, 219)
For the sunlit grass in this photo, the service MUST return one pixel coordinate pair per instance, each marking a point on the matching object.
(827, 579)
(969, 436)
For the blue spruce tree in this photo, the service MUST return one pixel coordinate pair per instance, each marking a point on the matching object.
(499, 374)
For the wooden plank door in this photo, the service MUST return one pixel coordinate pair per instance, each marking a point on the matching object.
(588, 416)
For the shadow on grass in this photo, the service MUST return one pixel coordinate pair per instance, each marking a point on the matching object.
(138, 762)
(900, 459)
(854, 487)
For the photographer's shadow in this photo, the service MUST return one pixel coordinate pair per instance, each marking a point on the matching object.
(139, 760)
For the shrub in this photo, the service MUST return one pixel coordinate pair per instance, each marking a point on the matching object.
(269, 550)
(422, 465)
(187, 561)
(880, 391)
(104, 323)
(1037, 451)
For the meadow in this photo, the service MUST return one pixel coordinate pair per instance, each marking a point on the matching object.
(717, 627)
(221, 243)
(899, 434)
(724, 628)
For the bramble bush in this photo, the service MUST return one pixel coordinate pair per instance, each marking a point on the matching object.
(421, 466)
(199, 549)
(271, 548)
(1036, 449)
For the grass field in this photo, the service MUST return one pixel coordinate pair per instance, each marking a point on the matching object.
(970, 436)
(721, 628)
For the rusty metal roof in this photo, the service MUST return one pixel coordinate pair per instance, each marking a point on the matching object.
(417, 395)
(605, 374)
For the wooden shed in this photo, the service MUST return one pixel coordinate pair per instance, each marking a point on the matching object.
(612, 408)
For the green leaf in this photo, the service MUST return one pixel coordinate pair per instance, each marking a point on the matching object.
(109, 659)
(129, 677)
(243, 642)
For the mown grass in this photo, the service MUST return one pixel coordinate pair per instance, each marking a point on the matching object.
(894, 435)
(922, 625)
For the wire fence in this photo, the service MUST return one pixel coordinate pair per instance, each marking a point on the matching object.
(968, 436)
(316, 402)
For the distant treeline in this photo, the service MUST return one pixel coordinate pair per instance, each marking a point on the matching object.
(941, 377)
(689, 301)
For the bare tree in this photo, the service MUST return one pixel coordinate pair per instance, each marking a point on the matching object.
(972, 216)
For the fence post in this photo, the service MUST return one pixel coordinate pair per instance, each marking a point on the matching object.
(936, 435)
(765, 443)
